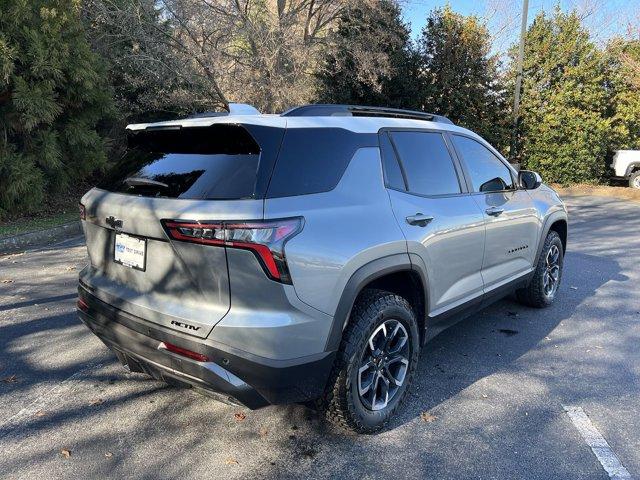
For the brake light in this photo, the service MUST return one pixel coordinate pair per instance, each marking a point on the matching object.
(266, 239)
(183, 351)
(83, 212)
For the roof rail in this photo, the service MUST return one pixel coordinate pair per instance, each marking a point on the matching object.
(234, 109)
(335, 110)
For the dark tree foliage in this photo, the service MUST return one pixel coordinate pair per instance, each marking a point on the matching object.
(564, 126)
(623, 84)
(372, 61)
(461, 77)
(52, 99)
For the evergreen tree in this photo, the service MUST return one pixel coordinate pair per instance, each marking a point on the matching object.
(371, 61)
(564, 129)
(52, 98)
(462, 80)
(623, 81)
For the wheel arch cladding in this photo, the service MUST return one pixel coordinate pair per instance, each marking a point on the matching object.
(558, 222)
(561, 228)
(395, 274)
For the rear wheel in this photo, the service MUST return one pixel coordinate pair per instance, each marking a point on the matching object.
(544, 285)
(375, 365)
(634, 179)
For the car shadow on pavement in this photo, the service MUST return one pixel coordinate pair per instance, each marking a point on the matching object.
(496, 337)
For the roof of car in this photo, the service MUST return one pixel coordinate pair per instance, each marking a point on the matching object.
(367, 121)
(355, 124)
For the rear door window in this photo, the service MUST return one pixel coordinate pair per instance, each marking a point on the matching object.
(219, 162)
(426, 161)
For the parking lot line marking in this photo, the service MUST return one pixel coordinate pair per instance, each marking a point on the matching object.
(15, 422)
(599, 446)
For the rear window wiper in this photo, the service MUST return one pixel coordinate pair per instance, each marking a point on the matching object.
(144, 182)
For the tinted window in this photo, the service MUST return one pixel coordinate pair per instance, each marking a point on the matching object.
(488, 173)
(219, 162)
(312, 160)
(427, 163)
(390, 166)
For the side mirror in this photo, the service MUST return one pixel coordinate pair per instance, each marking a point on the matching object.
(529, 180)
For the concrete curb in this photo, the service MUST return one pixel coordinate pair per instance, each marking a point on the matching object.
(39, 238)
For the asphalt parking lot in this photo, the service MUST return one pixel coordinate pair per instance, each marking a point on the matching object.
(488, 400)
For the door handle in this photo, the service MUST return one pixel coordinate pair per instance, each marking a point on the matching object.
(419, 219)
(494, 211)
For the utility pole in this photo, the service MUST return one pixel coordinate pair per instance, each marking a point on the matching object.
(516, 97)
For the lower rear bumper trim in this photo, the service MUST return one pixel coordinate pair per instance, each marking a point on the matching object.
(228, 376)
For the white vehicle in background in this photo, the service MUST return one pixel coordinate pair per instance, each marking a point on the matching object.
(626, 164)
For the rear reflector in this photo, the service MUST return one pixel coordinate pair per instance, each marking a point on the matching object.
(82, 305)
(266, 239)
(183, 352)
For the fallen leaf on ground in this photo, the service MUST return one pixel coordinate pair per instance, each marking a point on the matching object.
(108, 454)
(96, 401)
(71, 268)
(10, 379)
(231, 461)
(40, 413)
(263, 432)
(7, 281)
(65, 453)
(239, 416)
(427, 417)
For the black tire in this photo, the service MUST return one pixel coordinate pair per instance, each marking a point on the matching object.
(536, 294)
(634, 179)
(342, 402)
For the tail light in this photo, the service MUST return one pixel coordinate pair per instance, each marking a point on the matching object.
(266, 239)
(83, 212)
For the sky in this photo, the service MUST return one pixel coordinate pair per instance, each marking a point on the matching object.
(604, 18)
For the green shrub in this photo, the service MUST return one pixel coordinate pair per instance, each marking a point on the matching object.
(564, 125)
(52, 98)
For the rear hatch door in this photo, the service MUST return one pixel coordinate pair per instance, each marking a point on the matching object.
(198, 174)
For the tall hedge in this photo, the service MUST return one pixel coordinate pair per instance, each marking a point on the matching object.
(371, 60)
(624, 85)
(52, 98)
(564, 130)
(461, 76)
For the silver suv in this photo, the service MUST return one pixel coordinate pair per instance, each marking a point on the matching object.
(307, 257)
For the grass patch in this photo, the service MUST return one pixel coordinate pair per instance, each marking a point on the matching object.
(24, 225)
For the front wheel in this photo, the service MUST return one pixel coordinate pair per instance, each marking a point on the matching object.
(634, 179)
(375, 365)
(542, 290)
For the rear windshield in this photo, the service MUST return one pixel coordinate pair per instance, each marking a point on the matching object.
(218, 163)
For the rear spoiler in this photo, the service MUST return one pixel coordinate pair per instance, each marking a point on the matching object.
(233, 109)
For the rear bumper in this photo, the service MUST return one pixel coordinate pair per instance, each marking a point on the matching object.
(230, 375)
